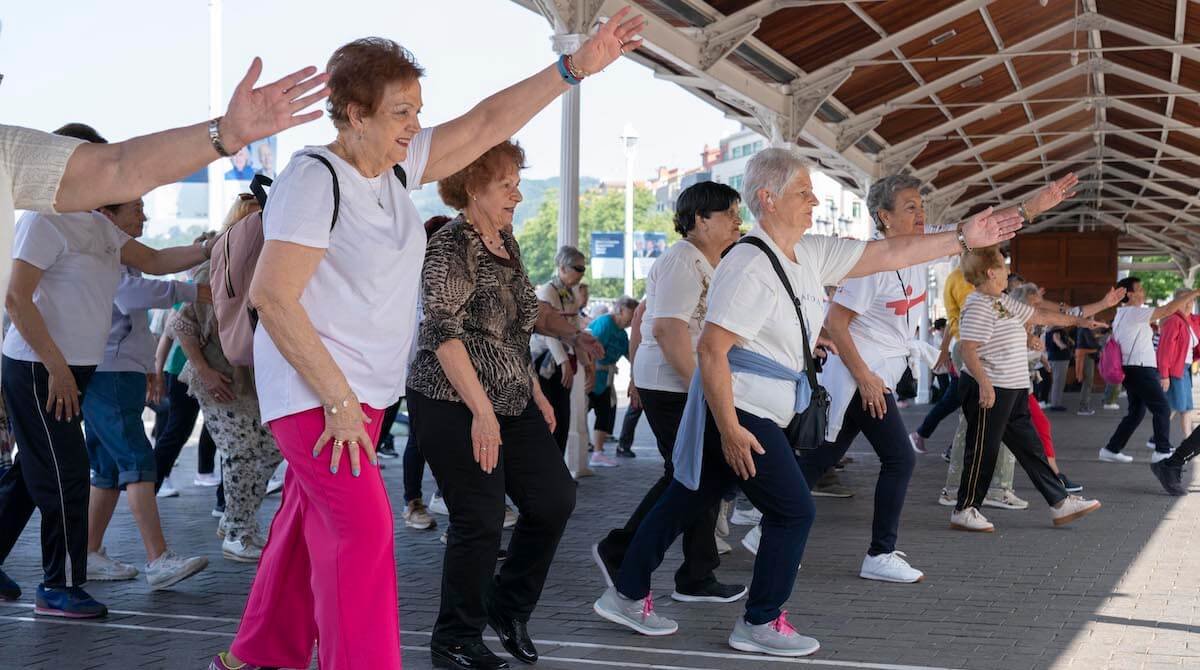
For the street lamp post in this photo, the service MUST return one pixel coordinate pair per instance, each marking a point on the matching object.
(629, 140)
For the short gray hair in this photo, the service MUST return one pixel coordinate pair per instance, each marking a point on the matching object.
(883, 194)
(1023, 292)
(625, 302)
(771, 169)
(568, 255)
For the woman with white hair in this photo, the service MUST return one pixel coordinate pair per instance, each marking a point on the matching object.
(755, 374)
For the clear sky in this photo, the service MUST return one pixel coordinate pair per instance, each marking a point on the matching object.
(132, 66)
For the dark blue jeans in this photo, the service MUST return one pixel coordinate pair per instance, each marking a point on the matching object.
(778, 490)
(889, 437)
(946, 405)
(1145, 393)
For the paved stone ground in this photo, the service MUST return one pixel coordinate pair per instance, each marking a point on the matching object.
(1117, 590)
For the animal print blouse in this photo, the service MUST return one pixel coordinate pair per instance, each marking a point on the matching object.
(487, 302)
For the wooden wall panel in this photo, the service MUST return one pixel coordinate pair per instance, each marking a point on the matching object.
(1073, 267)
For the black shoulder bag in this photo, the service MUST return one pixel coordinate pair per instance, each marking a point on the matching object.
(806, 430)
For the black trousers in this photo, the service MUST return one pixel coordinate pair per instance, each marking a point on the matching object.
(1007, 421)
(629, 427)
(560, 399)
(889, 438)
(51, 472)
(664, 409)
(1145, 393)
(182, 411)
(531, 471)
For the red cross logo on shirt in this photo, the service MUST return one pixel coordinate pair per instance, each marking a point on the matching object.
(904, 305)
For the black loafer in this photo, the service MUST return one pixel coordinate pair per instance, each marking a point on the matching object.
(472, 655)
(514, 635)
(711, 591)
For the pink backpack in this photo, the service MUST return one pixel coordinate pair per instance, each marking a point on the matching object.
(1112, 370)
(234, 257)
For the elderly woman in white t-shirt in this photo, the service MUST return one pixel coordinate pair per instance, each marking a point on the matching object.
(1132, 329)
(752, 376)
(706, 215)
(336, 293)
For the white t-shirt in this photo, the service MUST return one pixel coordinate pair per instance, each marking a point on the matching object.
(362, 299)
(890, 306)
(998, 325)
(1191, 350)
(747, 299)
(31, 167)
(676, 288)
(80, 256)
(1131, 327)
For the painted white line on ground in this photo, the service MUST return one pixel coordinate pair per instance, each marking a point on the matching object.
(858, 665)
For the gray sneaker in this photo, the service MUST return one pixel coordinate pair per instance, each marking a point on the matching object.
(102, 568)
(777, 638)
(170, 568)
(636, 614)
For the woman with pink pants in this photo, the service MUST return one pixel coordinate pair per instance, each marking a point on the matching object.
(335, 290)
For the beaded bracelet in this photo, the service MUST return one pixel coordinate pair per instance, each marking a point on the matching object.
(564, 71)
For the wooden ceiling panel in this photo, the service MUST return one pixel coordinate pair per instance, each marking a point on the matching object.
(1133, 122)
(1064, 94)
(1189, 143)
(1128, 146)
(1116, 85)
(1154, 62)
(896, 16)
(1070, 149)
(1018, 145)
(1128, 168)
(898, 127)
(873, 85)
(1157, 16)
(1187, 111)
(993, 84)
(1189, 70)
(938, 151)
(1036, 68)
(1189, 187)
(1012, 116)
(1017, 20)
(972, 37)
(1077, 121)
(813, 37)
(662, 12)
(954, 174)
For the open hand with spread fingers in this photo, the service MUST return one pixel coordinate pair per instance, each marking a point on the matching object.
(1052, 194)
(990, 227)
(614, 39)
(255, 113)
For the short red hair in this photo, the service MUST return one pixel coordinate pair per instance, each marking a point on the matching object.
(359, 71)
(455, 189)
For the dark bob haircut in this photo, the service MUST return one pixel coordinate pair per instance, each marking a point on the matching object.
(703, 199)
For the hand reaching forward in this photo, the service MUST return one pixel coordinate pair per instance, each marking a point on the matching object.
(988, 228)
(614, 39)
(1054, 193)
(255, 113)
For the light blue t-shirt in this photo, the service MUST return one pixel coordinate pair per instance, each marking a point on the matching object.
(616, 345)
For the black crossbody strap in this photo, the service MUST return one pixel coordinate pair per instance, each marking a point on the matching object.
(337, 191)
(809, 367)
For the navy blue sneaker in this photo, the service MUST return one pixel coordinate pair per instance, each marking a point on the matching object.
(9, 590)
(70, 602)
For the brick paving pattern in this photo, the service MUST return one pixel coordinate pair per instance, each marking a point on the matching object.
(1121, 589)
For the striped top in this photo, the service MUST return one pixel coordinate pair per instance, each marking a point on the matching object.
(998, 325)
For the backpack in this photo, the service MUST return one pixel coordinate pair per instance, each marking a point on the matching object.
(234, 258)
(1111, 368)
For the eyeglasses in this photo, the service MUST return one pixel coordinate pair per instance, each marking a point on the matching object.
(579, 268)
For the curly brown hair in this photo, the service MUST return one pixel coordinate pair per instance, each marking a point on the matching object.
(977, 262)
(455, 189)
(359, 71)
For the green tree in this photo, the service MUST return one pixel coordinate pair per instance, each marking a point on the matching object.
(599, 211)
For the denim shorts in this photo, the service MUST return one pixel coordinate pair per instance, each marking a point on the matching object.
(117, 446)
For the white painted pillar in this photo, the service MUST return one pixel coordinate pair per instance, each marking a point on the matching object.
(216, 169)
(568, 192)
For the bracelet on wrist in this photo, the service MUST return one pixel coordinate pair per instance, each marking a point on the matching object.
(333, 408)
(564, 71)
(1024, 213)
(962, 241)
(214, 136)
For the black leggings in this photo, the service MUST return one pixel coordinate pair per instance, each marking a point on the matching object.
(182, 411)
(889, 437)
(559, 397)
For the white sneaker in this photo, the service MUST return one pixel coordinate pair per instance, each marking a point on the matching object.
(1150, 444)
(745, 517)
(210, 479)
(750, 542)
(276, 481)
(1072, 508)
(241, 551)
(947, 500)
(170, 568)
(777, 638)
(890, 568)
(437, 505)
(510, 517)
(1112, 406)
(722, 546)
(1107, 456)
(168, 490)
(723, 518)
(1160, 456)
(101, 568)
(970, 520)
(638, 615)
(601, 460)
(1006, 500)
